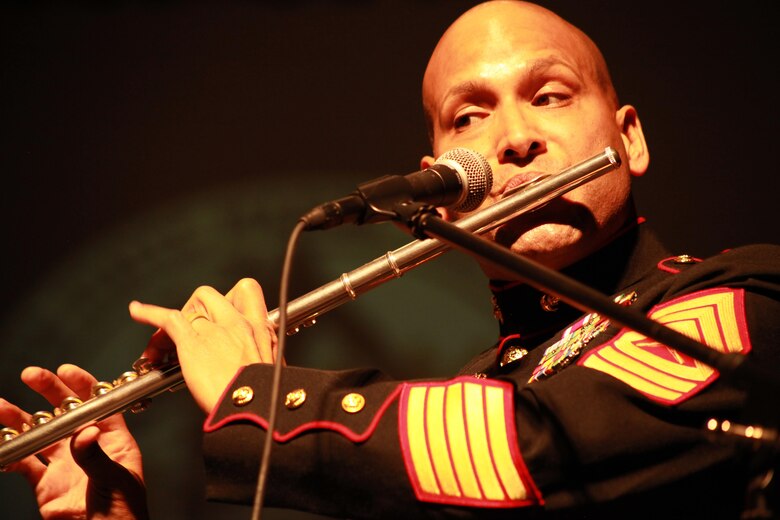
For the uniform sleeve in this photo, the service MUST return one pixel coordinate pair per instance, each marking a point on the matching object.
(354, 444)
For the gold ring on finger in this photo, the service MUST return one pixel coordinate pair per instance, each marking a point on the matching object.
(196, 317)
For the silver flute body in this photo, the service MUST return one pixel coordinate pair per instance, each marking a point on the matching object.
(133, 389)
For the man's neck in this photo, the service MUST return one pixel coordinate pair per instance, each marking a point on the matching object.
(523, 309)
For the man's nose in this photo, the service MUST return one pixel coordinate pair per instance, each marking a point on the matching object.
(518, 138)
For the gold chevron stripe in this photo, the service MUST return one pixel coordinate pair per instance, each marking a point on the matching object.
(714, 317)
(461, 443)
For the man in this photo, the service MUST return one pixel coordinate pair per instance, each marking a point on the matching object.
(565, 416)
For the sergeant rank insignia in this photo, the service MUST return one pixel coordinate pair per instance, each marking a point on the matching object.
(715, 317)
(574, 339)
(460, 444)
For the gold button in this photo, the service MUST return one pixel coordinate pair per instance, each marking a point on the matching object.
(684, 259)
(353, 403)
(295, 398)
(242, 396)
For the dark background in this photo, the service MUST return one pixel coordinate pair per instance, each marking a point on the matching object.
(149, 147)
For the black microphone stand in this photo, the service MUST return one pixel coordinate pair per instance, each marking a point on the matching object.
(425, 222)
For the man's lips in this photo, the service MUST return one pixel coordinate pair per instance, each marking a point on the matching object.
(516, 182)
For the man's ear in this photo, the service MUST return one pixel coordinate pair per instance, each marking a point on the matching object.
(426, 162)
(633, 140)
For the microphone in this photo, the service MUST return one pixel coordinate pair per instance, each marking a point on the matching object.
(460, 179)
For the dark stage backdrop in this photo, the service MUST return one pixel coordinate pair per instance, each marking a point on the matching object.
(150, 147)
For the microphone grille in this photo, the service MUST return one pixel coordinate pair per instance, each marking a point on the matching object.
(476, 173)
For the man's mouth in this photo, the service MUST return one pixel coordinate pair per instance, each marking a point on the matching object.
(520, 182)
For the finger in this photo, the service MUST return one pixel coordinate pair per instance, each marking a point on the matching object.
(170, 321)
(81, 383)
(77, 379)
(149, 314)
(47, 384)
(105, 474)
(14, 417)
(268, 348)
(247, 297)
(54, 390)
(90, 456)
(207, 301)
(160, 350)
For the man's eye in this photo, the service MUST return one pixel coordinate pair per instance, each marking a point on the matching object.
(464, 120)
(549, 98)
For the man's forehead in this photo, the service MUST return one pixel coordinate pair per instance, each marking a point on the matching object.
(511, 31)
(500, 51)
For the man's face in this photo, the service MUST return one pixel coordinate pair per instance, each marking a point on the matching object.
(521, 87)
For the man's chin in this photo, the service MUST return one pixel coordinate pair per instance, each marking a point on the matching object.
(553, 245)
(550, 239)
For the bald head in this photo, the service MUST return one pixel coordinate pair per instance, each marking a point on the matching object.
(519, 26)
(518, 84)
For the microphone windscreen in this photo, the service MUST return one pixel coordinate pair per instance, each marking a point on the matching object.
(476, 172)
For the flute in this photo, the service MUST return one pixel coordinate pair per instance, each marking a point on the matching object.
(135, 388)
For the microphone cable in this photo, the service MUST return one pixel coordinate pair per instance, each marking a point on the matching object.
(281, 333)
(473, 172)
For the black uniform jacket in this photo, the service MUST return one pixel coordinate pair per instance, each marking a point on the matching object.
(566, 416)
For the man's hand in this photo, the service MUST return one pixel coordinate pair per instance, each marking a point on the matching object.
(213, 336)
(97, 473)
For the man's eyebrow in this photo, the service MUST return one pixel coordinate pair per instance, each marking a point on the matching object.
(533, 67)
(542, 64)
(465, 88)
